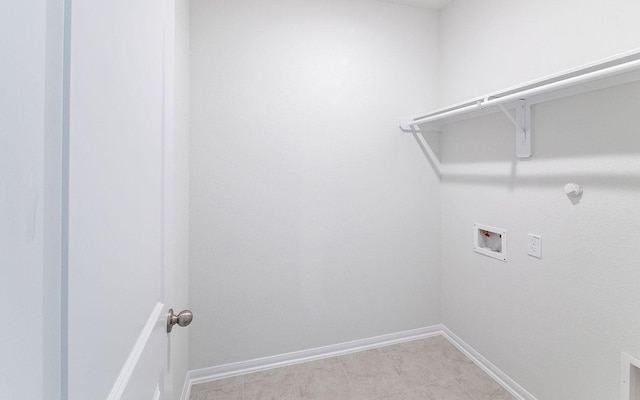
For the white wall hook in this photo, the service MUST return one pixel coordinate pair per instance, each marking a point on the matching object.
(573, 189)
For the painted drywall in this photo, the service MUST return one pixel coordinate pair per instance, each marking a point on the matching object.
(313, 219)
(556, 325)
(493, 44)
(433, 4)
(177, 280)
(30, 143)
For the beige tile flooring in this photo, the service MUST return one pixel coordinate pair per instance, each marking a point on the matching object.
(431, 369)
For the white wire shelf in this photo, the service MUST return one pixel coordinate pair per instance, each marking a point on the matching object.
(612, 71)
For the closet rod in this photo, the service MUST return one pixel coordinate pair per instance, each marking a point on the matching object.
(497, 98)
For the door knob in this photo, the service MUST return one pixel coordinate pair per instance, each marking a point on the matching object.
(184, 318)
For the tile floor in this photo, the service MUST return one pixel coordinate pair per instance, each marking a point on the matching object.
(425, 369)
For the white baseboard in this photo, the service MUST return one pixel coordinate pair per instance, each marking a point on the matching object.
(487, 366)
(244, 367)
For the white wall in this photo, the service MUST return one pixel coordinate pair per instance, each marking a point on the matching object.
(493, 44)
(314, 221)
(30, 145)
(556, 325)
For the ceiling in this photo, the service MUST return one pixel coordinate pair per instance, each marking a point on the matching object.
(434, 4)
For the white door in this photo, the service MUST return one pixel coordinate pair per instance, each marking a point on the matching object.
(119, 210)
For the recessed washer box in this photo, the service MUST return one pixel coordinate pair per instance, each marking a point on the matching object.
(630, 377)
(490, 241)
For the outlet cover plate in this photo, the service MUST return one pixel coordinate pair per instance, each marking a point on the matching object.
(534, 247)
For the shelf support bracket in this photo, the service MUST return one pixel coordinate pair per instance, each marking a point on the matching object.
(522, 122)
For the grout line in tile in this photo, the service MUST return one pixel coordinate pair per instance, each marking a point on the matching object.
(295, 377)
(384, 355)
(351, 385)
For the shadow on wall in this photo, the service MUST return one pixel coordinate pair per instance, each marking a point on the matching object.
(429, 144)
(590, 138)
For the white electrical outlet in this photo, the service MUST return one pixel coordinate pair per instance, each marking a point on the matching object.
(535, 245)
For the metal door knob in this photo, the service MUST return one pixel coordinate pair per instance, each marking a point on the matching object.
(184, 318)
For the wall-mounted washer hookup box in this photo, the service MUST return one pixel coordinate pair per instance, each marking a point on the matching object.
(490, 241)
(630, 377)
